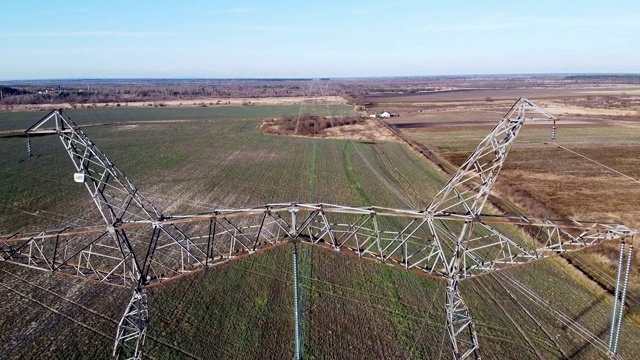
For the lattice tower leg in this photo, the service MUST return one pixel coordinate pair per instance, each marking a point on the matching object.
(132, 329)
(460, 325)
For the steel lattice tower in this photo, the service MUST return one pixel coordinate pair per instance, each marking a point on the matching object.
(451, 240)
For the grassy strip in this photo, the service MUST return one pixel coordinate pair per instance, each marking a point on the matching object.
(347, 164)
(313, 171)
(399, 314)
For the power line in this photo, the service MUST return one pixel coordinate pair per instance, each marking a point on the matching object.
(56, 311)
(598, 163)
(82, 307)
(580, 330)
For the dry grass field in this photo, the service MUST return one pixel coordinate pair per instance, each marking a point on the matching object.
(352, 309)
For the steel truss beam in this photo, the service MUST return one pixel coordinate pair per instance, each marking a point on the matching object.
(412, 240)
(368, 232)
(451, 240)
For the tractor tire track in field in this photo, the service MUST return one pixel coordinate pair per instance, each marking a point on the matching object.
(514, 322)
(313, 173)
(58, 312)
(352, 176)
(513, 297)
(396, 171)
(47, 322)
(98, 315)
(382, 179)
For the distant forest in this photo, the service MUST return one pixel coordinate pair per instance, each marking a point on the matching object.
(92, 91)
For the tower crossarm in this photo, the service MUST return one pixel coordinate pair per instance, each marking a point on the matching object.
(180, 244)
(98, 253)
(546, 238)
(408, 239)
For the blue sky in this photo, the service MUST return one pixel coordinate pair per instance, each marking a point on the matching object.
(222, 39)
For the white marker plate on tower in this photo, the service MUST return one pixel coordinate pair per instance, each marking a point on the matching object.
(78, 177)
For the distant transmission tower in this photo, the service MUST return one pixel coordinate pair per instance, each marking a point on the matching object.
(451, 240)
(314, 96)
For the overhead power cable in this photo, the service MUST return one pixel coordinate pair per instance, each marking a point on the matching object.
(598, 163)
(567, 320)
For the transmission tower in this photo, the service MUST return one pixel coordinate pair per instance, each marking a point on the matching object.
(314, 96)
(451, 240)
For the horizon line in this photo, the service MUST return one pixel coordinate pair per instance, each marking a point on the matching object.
(322, 78)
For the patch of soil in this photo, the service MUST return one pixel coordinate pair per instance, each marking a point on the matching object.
(343, 127)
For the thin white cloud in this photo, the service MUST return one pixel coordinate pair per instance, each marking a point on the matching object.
(236, 10)
(371, 9)
(100, 33)
(474, 26)
(505, 22)
(609, 21)
(58, 12)
(513, 22)
(269, 28)
(240, 10)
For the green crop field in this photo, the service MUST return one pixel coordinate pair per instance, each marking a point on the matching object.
(351, 308)
(22, 120)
